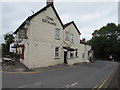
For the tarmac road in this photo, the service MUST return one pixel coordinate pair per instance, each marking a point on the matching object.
(115, 82)
(83, 75)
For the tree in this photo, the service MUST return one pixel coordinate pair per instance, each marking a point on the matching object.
(106, 41)
(8, 38)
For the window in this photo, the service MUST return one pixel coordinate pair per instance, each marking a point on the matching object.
(83, 55)
(57, 52)
(71, 38)
(66, 35)
(71, 54)
(76, 53)
(57, 33)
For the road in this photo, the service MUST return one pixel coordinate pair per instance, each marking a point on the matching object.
(84, 75)
(115, 82)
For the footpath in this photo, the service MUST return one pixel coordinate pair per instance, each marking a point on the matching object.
(18, 67)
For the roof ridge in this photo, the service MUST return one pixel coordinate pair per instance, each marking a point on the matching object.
(69, 23)
(39, 11)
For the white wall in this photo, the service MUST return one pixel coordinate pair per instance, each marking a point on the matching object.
(42, 41)
(84, 49)
(75, 45)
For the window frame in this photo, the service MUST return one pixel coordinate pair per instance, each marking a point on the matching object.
(72, 52)
(71, 38)
(57, 33)
(67, 36)
(83, 55)
(76, 53)
(56, 52)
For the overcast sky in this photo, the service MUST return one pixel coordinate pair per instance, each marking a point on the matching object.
(88, 16)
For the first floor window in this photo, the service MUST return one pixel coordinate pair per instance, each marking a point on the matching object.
(71, 38)
(66, 35)
(57, 33)
(56, 52)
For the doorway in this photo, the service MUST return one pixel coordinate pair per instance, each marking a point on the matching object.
(65, 57)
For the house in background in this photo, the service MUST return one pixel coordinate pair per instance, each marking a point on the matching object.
(42, 40)
(86, 53)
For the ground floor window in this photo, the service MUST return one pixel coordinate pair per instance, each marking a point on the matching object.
(76, 53)
(56, 52)
(83, 55)
(71, 54)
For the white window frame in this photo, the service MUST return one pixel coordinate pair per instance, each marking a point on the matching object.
(72, 52)
(57, 33)
(68, 55)
(67, 36)
(71, 38)
(56, 53)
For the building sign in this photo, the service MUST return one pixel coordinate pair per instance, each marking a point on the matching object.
(49, 20)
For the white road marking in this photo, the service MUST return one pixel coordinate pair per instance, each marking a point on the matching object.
(67, 86)
(71, 85)
(38, 83)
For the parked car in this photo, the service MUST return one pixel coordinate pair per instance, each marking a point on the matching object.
(6, 60)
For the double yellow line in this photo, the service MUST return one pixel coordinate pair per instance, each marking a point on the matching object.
(101, 84)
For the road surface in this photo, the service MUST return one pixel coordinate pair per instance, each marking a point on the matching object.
(84, 75)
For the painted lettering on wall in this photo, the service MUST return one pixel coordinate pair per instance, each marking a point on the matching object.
(49, 20)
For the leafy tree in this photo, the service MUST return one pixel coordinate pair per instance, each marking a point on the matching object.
(106, 41)
(8, 38)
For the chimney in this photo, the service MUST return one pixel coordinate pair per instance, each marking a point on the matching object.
(49, 1)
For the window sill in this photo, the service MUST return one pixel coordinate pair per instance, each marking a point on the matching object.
(57, 38)
(71, 58)
(76, 57)
(71, 42)
(57, 58)
(66, 40)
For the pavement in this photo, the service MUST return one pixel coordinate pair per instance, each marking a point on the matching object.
(19, 67)
(84, 75)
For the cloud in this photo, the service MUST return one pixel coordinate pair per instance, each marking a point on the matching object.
(87, 32)
(88, 16)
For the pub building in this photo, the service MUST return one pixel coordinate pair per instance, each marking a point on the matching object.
(43, 40)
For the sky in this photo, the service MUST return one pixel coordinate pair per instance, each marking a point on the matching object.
(88, 16)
